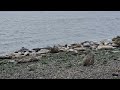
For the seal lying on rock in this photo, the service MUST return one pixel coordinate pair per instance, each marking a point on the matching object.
(106, 47)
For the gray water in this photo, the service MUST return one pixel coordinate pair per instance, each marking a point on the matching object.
(43, 28)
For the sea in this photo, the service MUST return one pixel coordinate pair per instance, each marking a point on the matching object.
(33, 29)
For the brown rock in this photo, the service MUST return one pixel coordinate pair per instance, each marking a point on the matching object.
(88, 59)
(54, 49)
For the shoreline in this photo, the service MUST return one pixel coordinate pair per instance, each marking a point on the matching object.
(63, 62)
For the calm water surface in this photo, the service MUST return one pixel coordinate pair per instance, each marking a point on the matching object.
(42, 28)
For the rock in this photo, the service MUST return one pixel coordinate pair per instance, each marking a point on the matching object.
(75, 45)
(88, 59)
(63, 49)
(72, 50)
(116, 40)
(86, 44)
(30, 51)
(5, 57)
(106, 47)
(36, 49)
(16, 55)
(54, 49)
(33, 53)
(115, 74)
(80, 49)
(115, 45)
(26, 54)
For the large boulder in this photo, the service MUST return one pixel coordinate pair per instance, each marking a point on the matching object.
(54, 49)
(88, 59)
(116, 41)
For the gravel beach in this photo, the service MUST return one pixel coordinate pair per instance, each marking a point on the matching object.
(64, 65)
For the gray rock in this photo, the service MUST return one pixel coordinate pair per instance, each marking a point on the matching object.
(86, 44)
(5, 57)
(36, 49)
(106, 47)
(115, 45)
(54, 49)
(80, 49)
(88, 59)
(115, 74)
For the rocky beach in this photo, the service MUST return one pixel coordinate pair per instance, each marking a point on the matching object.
(84, 60)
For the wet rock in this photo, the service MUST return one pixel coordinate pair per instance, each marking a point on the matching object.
(5, 57)
(54, 49)
(23, 49)
(32, 54)
(26, 53)
(88, 59)
(115, 74)
(36, 49)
